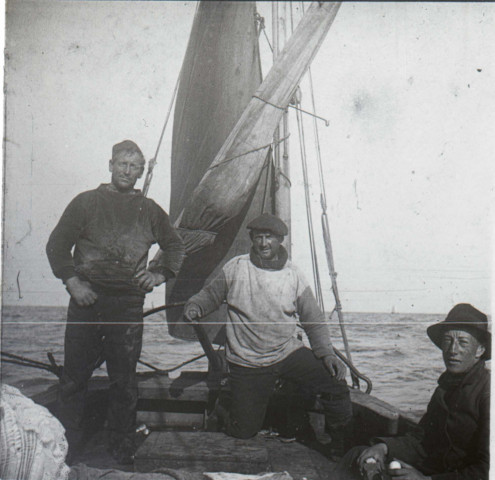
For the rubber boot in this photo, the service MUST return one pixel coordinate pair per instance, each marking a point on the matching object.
(342, 440)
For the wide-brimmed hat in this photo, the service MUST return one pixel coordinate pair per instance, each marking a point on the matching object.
(464, 317)
(269, 223)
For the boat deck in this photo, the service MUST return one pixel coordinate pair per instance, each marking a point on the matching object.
(182, 416)
(197, 452)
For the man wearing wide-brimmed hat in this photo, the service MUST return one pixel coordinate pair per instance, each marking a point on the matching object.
(111, 229)
(266, 295)
(452, 442)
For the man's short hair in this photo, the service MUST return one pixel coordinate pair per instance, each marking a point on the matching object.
(128, 147)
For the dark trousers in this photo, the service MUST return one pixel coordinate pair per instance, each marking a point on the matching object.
(111, 329)
(251, 389)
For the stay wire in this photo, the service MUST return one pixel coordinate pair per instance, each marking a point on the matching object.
(326, 231)
(314, 259)
(152, 162)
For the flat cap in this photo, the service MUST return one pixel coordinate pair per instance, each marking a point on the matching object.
(126, 146)
(269, 223)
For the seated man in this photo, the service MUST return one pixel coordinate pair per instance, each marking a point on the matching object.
(267, 297)
(452, 441)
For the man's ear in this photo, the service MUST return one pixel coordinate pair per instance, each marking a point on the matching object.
(142, 171)
(110, 165)
(480, 350)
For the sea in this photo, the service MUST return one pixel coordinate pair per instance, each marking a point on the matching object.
(392, 349)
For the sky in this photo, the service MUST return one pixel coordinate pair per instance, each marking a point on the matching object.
(407, 156)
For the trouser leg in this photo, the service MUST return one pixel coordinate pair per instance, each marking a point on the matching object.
(81, 351)
(251, 389)
(303, 368)
(122, 348)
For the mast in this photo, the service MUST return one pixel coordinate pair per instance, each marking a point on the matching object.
(282, 170)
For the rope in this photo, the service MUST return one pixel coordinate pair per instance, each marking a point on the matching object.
(168, 370)
(152, 162)
(327, 123)
(269, 166)
(246, 153)
(27, 362)
(326, 228)
(24, 364)
(57, 369)
(163, 307)
(261, 28)
(326, 232)
(314, 259)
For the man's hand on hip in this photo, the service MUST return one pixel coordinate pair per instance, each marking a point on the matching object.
(81, 291)
(192, 312)
(148, 280)
(334, 366)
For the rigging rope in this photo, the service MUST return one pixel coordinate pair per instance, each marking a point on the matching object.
(269, 168)
(57, 369)
(227, 160)
(312, 114)
(314, 259)
(152, 162)
(261, 28)
(327, 238)
(326, 232)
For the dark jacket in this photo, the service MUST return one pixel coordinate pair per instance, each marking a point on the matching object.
(112, 233)
(453, 438)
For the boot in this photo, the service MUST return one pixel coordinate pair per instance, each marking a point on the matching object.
(342, 440)
(122, 447)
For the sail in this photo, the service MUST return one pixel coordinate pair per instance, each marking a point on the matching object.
(234, 173)
(220, 73)
(223, 132)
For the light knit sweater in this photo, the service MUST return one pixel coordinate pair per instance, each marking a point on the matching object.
(264, 309)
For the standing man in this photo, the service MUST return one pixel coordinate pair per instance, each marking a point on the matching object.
(112, 229)
(267, 297)
(453, 438)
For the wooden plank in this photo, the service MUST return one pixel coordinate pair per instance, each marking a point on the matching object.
(373, 417)
(192, 386)
(371, 403)
(300, 461)
(201, 451)
(170, 419)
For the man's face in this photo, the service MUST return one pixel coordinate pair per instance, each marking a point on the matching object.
(126, 169)
(266, 244)
(460, 350)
